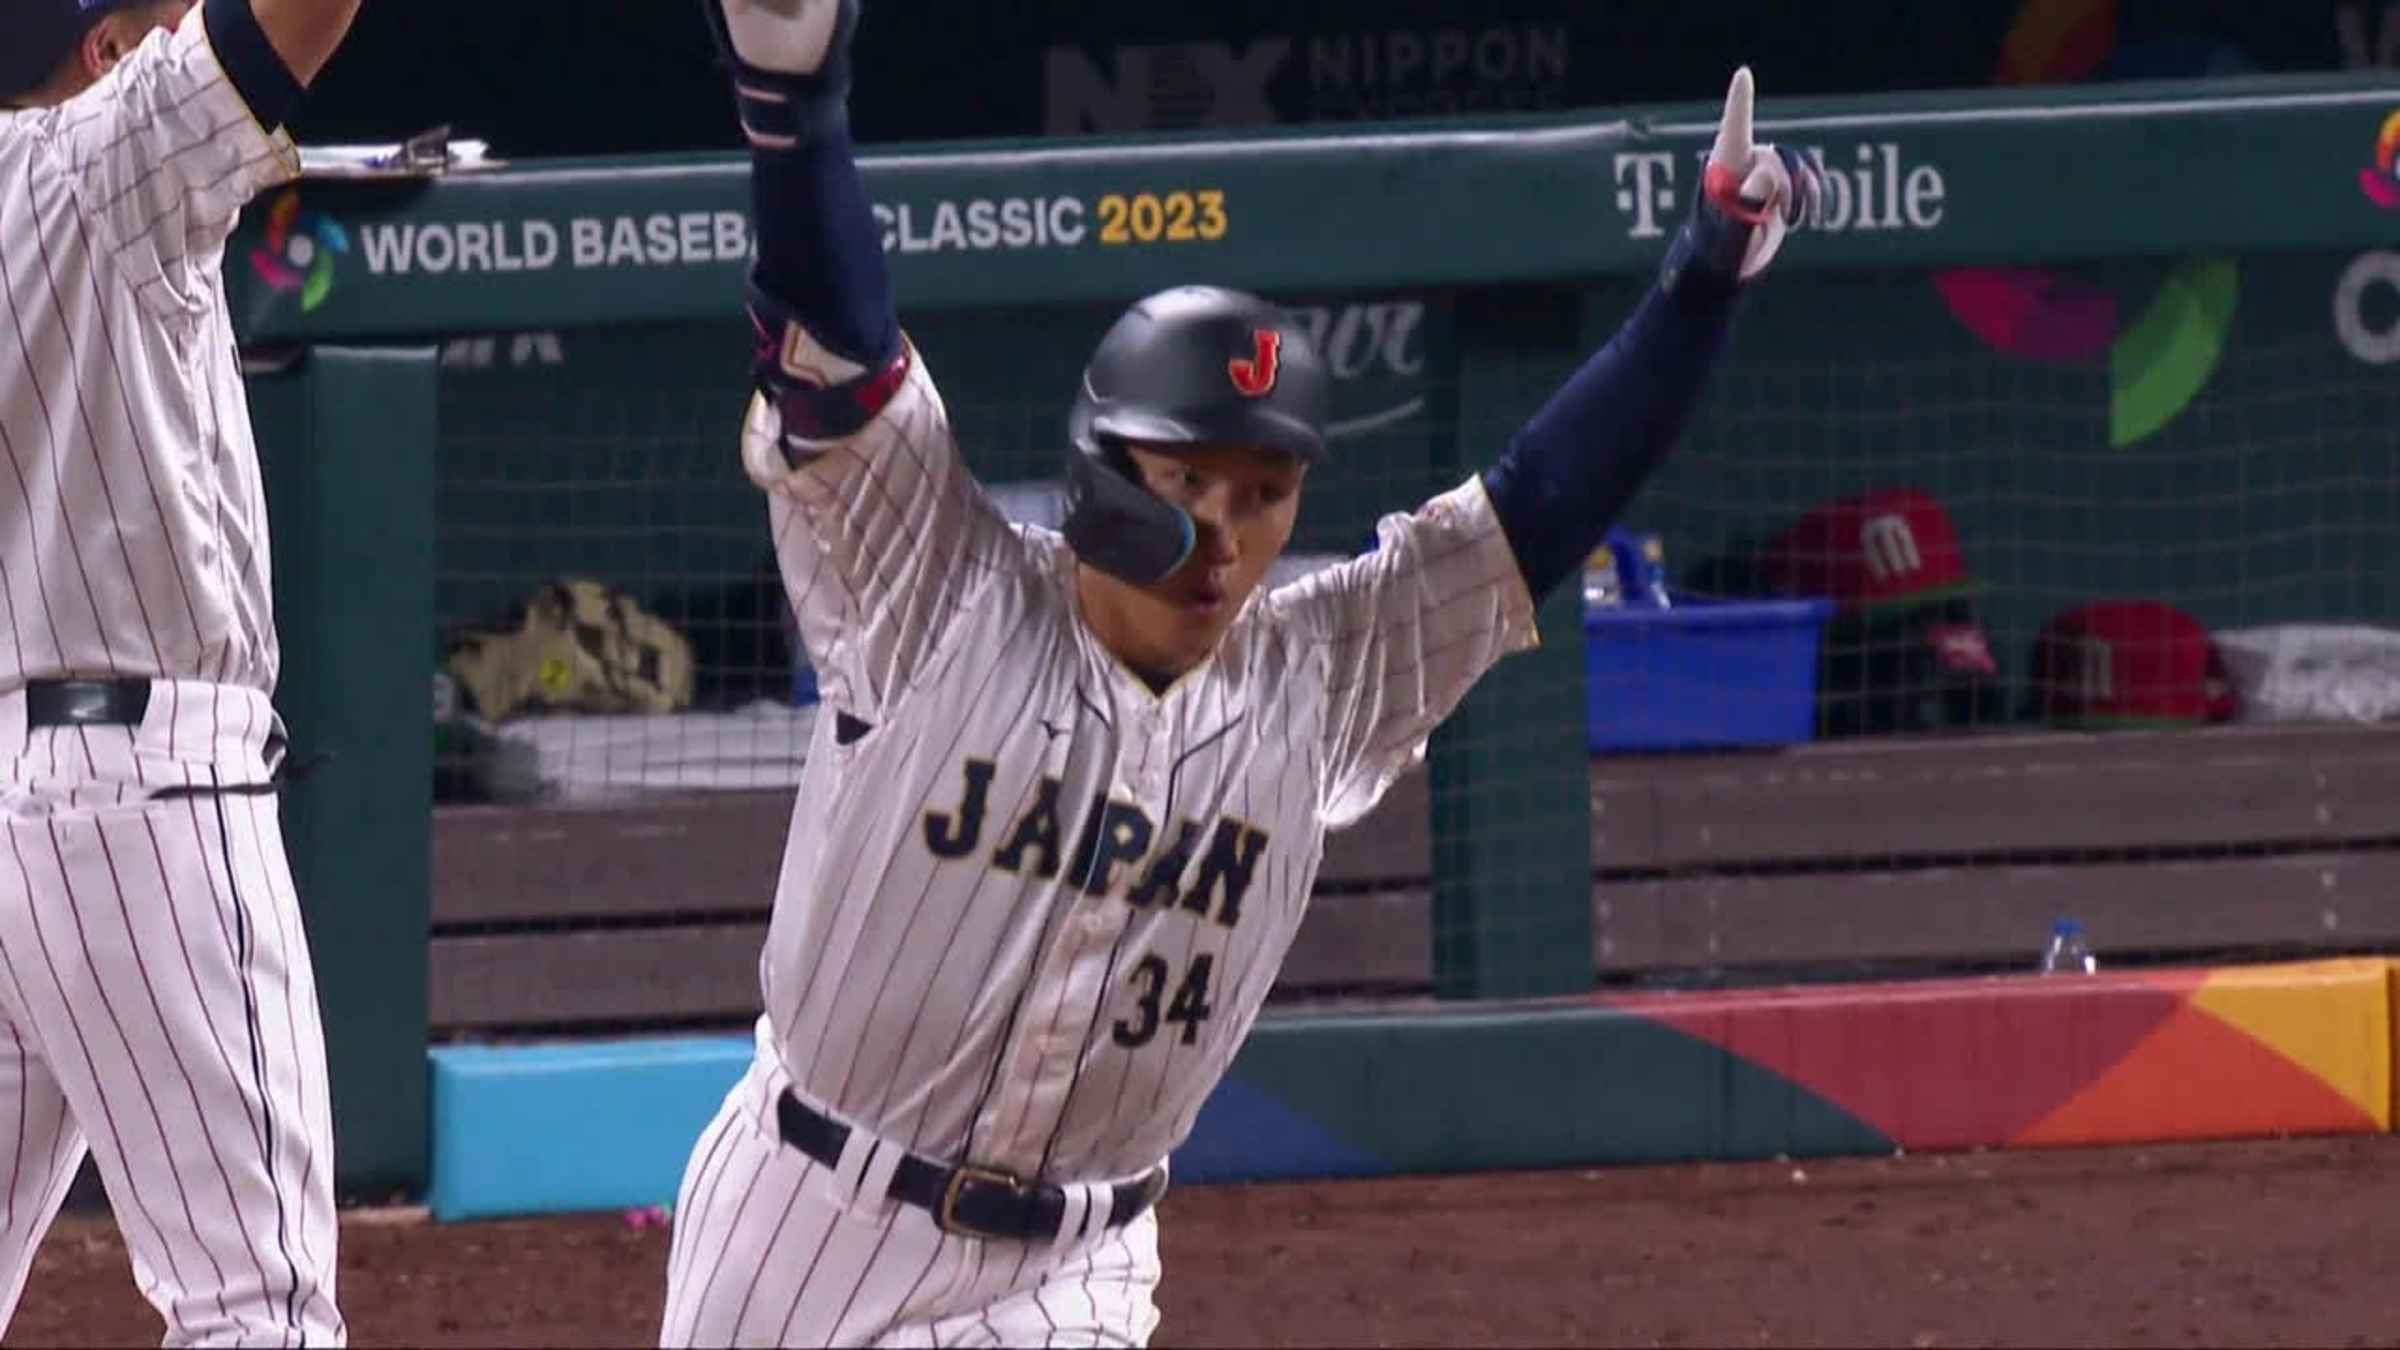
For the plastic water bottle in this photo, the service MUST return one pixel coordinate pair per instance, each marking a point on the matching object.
(1601, 589)
(1653, 574)
(1641, 568)
(2067, 953)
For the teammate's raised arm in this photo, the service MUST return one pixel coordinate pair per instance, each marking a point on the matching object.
(165, 117)
(303, 33)
(267, 50)
(1577, 462)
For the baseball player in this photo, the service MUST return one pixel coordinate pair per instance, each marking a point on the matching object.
(156, 1001)
(1060, 821)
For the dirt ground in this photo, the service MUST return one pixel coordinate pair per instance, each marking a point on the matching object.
(2269, 1243)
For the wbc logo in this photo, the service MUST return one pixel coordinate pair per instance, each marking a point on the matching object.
(2381, 182)
(297, 251)
(1254, 375)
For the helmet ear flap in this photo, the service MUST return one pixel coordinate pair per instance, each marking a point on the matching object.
(1116, 524)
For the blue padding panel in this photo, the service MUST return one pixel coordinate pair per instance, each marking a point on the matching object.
(1244, 1133)
(554, 1129)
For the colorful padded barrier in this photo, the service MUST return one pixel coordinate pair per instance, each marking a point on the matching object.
(2000, 1062)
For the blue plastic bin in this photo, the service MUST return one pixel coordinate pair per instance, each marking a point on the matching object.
(1703, 673)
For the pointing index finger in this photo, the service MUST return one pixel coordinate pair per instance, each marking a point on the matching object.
(1733, 131)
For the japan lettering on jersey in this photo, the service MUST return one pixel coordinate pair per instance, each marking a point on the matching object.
(1029, 908)
(137, 530)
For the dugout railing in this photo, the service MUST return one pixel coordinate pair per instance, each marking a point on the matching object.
(1517, 863)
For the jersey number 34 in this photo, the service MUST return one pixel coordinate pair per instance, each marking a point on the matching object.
(1188, 1008)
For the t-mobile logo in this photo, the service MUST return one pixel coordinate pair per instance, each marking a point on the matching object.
(1876, 186)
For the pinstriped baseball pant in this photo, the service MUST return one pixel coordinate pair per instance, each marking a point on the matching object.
(773, 1248)
(157, 1001)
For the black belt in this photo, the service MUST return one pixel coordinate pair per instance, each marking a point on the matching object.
(85, 703)
(967, 1201)
(123, 703)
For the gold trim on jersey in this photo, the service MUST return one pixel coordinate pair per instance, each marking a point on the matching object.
(276, 139)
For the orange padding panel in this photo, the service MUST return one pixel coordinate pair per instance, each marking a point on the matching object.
(2252, 1051)
(2125, 1056)
(2391, 1106)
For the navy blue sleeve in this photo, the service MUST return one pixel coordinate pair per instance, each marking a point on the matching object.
(258, 74)
(1576, 463)
(820, 251)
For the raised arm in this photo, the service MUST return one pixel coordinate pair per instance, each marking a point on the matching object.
(829, 352)
(1451, 588)
(881, 533)
(176, 122)
(1577, 462)
(303, 33)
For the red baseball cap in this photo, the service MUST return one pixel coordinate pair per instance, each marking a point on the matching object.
(1885, 547)
(2130, 663)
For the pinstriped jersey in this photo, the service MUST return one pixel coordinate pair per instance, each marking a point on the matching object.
(135, 531)
(1027, 915)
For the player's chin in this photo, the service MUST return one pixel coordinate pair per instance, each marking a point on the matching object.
(1195, 628)
(1189, 626)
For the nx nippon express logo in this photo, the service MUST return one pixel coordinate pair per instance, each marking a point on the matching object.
(2161, 357)
(2381, 181)
(298, 251)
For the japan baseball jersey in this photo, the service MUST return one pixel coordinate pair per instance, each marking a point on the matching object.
(156, 997)
(1030, 906)
(138, 542)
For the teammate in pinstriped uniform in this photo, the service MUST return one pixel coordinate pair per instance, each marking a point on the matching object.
(1065, 806)
(156, 998)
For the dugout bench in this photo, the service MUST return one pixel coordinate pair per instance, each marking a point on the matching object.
(1863, 858)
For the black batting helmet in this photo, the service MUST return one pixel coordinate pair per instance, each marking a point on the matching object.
(1195, 365)
(35, 35)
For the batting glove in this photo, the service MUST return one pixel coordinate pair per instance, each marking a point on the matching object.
(1751, 195)
(790, 60)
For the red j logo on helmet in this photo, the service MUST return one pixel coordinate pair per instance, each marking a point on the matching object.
(1254, 375)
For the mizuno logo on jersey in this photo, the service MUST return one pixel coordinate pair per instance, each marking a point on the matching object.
(1113, 844)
